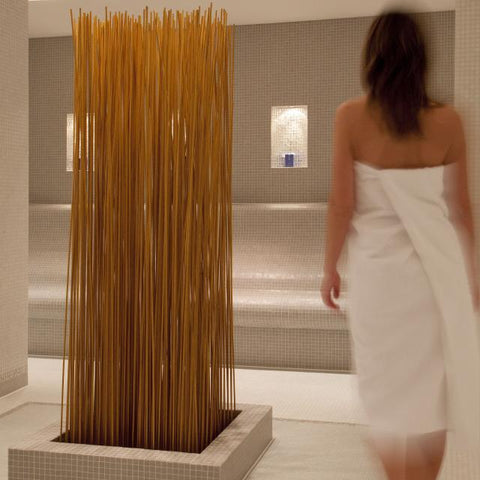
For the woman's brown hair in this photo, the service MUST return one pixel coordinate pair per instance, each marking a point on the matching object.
(394, 71)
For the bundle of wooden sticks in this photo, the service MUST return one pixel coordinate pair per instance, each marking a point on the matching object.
(149, 358)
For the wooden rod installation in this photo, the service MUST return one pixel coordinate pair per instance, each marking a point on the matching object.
(148, 351)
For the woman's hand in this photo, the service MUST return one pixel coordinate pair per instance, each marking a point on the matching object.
(476, 294)
(473, 280)
(330, 281)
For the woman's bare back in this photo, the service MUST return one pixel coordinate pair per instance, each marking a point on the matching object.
(373, 144)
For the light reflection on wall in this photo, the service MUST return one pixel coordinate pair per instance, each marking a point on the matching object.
(289, 135)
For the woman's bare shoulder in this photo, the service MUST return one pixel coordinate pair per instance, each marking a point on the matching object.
(444, 113)
(441, 112)
(359, 101)
(439, 109)
(353, 107)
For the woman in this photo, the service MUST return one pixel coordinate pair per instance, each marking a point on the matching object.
(400, 192)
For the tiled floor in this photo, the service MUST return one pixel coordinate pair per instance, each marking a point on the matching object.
(317, 428)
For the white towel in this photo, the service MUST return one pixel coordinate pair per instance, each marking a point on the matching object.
(414, 328)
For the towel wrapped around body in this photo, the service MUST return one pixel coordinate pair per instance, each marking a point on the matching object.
(415, 334)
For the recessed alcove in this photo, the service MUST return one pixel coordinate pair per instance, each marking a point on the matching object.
(289, 136)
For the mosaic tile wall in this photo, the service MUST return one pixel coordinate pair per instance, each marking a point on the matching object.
(13, 194)
(467, 92)
(317, 64)
(313, 63)
(51, 99)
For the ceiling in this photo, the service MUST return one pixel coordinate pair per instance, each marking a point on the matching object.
(51, 18)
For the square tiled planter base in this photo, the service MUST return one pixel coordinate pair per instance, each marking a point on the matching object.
(229, 457)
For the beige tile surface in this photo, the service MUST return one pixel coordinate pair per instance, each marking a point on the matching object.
(318, 424)
(13, 193)
(315, 63)
(467, 92)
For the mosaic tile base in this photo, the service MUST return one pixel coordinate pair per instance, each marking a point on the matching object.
(229, 457)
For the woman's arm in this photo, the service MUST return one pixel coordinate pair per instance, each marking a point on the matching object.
(338, 224)
(341, 201)
(458, 201)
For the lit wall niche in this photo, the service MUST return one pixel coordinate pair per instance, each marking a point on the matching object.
(70, 140)
(289, 140)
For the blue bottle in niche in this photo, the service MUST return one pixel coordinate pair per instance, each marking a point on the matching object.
(289, 159)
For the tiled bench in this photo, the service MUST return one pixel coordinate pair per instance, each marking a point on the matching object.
(280, 320)
(49, 226)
